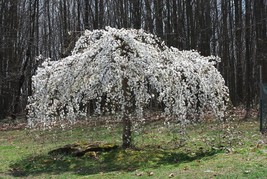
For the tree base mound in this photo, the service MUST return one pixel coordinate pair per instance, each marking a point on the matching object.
(83, 149)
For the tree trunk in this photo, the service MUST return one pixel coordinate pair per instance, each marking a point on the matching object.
(238, 50)
(86, 14)
(149, 20)
(158, 16)
(264, 71)
(260, 12)
(127, 132)
(136, 13)
(225, 43)
(126, 121)
(96, 16)
(101, 14)
(249, 64)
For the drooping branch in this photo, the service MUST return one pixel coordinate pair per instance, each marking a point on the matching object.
(123, 70)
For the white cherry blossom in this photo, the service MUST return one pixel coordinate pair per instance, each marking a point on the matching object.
(186, 82)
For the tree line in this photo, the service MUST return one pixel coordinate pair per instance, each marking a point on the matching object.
(235, 30)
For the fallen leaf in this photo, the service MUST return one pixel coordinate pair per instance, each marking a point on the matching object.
(139, 174)
(171, 175)
(150, 173)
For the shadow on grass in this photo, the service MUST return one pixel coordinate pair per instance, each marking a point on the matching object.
(117, 160)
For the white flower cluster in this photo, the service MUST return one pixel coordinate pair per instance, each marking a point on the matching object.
(121, 70)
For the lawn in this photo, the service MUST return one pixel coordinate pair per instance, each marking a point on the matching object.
(233, 149)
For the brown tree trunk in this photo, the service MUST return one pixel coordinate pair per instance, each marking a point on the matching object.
(225, 42)
(126, 121)
(248, 58)
(238, 51)
(127, 132)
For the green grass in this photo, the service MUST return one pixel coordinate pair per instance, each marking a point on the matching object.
(208, 150)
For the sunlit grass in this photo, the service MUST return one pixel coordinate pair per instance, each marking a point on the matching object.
(207, 150)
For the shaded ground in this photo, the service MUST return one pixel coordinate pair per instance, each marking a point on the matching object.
(117, 160)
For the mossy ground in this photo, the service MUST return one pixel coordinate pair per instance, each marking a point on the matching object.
(209, 150)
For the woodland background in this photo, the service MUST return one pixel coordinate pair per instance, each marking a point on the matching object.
(235, 30)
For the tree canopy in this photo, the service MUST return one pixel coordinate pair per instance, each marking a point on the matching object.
(122, 70)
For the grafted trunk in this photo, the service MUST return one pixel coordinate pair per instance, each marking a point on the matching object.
(127, 132)
(126, 121)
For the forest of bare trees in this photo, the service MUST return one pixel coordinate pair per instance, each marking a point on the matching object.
(234, 30)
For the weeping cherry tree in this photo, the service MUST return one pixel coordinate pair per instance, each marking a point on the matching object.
(120, 72)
